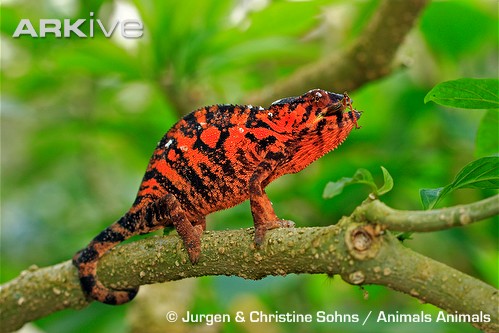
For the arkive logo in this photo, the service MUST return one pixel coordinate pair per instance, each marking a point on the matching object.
(65, 28)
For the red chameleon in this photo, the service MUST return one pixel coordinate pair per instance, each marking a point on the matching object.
(215, 158)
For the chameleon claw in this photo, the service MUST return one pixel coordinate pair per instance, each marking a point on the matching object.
(193, 245)
(259, 236)
(194, 251)
(286, 224)
(261, 231)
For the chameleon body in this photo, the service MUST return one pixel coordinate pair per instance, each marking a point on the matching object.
(217, 157)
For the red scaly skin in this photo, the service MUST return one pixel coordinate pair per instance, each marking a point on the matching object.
(217, 157)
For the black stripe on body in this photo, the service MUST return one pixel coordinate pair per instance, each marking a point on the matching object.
(207, 173)
(242, 157)
(262, 144)
(181, 195)
(184, 169)
(218, 149)
(224, 135)
(253, 122)
(275, 156)
(320, 126)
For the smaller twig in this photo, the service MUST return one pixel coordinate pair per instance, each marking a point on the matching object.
(429, 220)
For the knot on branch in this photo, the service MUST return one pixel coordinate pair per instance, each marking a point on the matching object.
(363, 241)
(357, 277)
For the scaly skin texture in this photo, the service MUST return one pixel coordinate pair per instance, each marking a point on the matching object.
(217, 157)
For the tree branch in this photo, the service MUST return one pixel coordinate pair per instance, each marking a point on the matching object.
(430, 220)
(430, 281)
(368, 58)
(357, 250)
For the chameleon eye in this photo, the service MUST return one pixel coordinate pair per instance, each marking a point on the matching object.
(317, 96)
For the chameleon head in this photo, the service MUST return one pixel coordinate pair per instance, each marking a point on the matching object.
(318, 121)
(315, 111)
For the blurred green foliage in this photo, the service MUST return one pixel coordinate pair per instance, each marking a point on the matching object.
(361, 176)
(80, 118)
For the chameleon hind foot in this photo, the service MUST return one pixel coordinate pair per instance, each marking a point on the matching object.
(260, 231)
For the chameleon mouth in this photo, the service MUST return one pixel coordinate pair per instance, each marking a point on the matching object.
(340, 104)
(339, 110)
(343, 104)
(334, 109)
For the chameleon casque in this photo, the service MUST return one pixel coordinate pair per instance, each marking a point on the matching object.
(217, 157)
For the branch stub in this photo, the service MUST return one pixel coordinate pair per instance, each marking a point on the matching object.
(363, 241)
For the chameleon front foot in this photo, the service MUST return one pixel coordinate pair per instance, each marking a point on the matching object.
(260, 231)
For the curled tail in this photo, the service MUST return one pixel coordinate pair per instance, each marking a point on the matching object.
(87, 259)
(151, 217)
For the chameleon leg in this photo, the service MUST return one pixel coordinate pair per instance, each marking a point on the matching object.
(190, 233)
(264, 217)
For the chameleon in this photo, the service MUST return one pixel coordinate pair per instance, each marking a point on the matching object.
(217, 157)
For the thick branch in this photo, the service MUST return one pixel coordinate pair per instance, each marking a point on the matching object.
(359, 252)
(430, 220)
(369, 57)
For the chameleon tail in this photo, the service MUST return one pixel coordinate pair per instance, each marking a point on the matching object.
(87, 259)
(146, 216)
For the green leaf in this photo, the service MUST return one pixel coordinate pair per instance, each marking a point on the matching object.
(487, 137)
(387, 182)
(361, 176)
(430, 196)
(333, 189)
(479, 174)
(482, 174)
(404, 236)
(466, 93)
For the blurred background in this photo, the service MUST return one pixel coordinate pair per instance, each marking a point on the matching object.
(80, 118)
